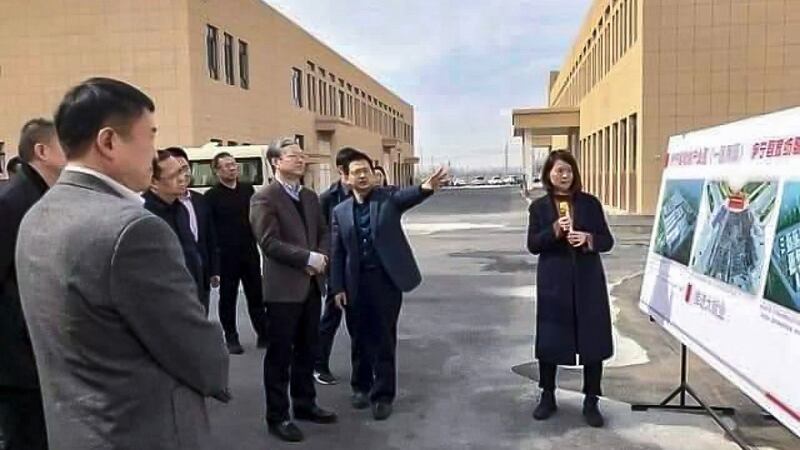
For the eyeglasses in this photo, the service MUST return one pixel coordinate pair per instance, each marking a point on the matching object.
(361, 172)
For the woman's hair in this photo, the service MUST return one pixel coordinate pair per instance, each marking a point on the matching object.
(565, 156)
(385, 177)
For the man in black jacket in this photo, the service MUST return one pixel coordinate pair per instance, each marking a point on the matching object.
(239, 259)
(21, 416)
(332, 316)
(202, 227)
(169, 183)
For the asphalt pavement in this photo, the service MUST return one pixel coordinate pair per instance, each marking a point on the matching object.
(465, 366)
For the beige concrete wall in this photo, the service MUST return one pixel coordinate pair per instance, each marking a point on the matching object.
(696, 63)
(603, 76)
(47, 47)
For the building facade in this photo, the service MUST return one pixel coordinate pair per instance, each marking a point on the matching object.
(640, 71)
(228, 71)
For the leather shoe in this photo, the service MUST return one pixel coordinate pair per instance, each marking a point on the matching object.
(547, 406)
(359, 400)
(235, 348)
(381, 410)
(315, 414)
(591, 413)
(286, 431)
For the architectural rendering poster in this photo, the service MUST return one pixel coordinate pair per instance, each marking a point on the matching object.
(723, 272)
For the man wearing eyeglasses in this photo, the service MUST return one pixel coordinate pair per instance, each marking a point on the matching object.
(288, 224)
(167, 186)
(201, 223)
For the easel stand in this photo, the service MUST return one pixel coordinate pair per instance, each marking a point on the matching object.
(681, 392)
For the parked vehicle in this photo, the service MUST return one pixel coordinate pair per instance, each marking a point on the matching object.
(496, 180)
(478, 181)
(510, 180)
(253, 168)
(459, 182)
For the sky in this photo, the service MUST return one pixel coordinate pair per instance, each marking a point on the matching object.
(463, 64)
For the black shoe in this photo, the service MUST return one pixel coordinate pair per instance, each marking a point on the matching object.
(591, 413)
(324, 377)
(261, 342)
(359, 400)
(235, 348)
(381, 410)
(547, 406)
(286, 431)
(315, 414)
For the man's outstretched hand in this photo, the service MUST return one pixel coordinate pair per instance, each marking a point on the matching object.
(434, 182)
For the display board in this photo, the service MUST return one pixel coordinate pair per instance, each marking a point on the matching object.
(723, 270)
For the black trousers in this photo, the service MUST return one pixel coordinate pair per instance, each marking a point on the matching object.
(248, 272)
(292, 332)
(372, 323)
(22, 425)
(592, 377)
(328, 325)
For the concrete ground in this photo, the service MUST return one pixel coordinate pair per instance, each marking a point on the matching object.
(466, 375)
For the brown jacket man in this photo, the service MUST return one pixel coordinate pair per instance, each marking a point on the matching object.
(288, 224)
(286, 239)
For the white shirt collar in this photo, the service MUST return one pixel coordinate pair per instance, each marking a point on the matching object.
(123, 190)
(292, 189)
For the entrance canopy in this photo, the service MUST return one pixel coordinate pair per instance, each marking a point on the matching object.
(546, 121)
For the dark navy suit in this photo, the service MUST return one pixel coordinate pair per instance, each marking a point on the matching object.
(332, 315)
(374, 287)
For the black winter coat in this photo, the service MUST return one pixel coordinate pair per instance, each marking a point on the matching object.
(572, 306)
(17, 364)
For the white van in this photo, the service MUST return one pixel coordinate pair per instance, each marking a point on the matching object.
(253, 167)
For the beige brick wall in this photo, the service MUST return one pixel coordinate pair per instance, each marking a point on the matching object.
(160, 46)
(709, 62)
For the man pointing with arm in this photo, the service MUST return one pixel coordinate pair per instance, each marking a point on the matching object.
(371, 266)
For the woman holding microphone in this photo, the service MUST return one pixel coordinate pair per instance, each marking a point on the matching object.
(568, 230)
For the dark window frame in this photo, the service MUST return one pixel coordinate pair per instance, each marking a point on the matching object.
(244, 65)
(212, 51)
(297, 87)
(230, 76)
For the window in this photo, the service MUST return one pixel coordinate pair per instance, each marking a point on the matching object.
(232, 143)
(212, 51)
(300, 140)
(250, 171)
(229, 76)
(332, 98)
(342, 107)
(323, 96)
(297, 87)
(632, 124)
(607, 164)
(244, 66)
(623, 136)
(311, 87)
(216, 141)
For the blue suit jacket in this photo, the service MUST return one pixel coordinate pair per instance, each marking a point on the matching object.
(387, 205)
